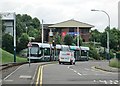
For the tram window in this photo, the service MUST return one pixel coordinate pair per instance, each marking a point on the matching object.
(83, 53)
(34, 50)
(46, 51)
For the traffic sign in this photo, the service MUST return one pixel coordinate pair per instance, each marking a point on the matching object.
(29, 44)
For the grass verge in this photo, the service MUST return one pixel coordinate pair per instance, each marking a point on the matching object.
(115, 63)
(8, 57)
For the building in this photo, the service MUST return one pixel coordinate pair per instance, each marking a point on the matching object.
(8, 22)
(119, 15)
(71, 27)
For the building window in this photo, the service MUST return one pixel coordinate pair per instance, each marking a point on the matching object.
(71, 29)
(84, 31)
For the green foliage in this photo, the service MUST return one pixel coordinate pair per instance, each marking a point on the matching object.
(115, 63)
(8, 57)
(118, 55)
(68, 40)
(7, 43)
(95, 36)
(33, 33)
(23, 41)
(35, 23)
(114, 39)
(93, 53)
(25, 23)
(57, 39)
(75, 41)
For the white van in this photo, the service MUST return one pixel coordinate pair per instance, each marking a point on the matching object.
(66, 57)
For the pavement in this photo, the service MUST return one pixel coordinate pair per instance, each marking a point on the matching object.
(107, 68)
(24, 74)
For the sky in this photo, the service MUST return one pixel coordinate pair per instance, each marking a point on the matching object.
(55, 11)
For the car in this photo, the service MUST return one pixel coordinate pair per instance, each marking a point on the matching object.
(66, 57)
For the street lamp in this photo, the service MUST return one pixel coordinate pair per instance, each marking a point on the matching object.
(108, 48)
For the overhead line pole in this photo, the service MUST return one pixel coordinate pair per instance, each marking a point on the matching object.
(42, 32)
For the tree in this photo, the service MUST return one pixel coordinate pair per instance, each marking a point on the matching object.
(58, 39)
(22, 42)
(35, 23)
(68, 40)
(7, 43)
(114, 39)
(95, 36)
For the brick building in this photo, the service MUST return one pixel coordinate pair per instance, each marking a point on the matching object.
(72, 27)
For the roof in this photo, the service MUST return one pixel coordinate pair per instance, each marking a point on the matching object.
(71, 23)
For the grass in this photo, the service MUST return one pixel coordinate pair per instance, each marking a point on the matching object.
(115, 63)
(8, 57)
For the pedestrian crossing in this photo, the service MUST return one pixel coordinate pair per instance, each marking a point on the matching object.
(107, 81)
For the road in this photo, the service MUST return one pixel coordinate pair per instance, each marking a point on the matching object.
(80, 73)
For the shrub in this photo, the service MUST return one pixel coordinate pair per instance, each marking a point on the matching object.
(118, 55)
(114, 63)
(94, 54)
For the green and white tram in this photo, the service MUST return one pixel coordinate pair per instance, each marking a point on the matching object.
(39, 51)
(84, 55)
(48, 52)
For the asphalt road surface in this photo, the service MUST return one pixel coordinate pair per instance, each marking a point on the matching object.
(80, 73)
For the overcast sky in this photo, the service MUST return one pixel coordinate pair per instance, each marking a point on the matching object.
(55, 11)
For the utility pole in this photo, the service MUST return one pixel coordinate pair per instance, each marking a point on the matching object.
(42, 32)
(14, 37)
(108, 47)
(77, 36)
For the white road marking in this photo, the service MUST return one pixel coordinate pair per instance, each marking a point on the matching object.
(94, 80)
(75, 71)
(105, 81)
(116, 81)
(79, 74)
(86, 69)
(12, 72)
(25, 77)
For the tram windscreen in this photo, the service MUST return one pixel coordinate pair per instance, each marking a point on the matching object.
(83, 53)
(34, 49)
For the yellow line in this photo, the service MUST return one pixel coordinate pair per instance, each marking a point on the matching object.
(41, 76)
(38, 76)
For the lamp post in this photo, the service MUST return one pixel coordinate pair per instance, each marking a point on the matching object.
(108, 48)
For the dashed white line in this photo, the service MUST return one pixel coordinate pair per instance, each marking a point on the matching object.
(79, 74)
(75, 71)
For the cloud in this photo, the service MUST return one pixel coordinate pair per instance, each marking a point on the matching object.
(54, 11)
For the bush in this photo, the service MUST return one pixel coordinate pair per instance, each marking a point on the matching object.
(118, 55)
(94, 54)
(7, 43)
(114, 63)
(68, 40)
(23, 41)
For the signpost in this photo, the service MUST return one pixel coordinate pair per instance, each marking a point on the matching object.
(29, 47)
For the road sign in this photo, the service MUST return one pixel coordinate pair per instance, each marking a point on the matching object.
(29, 44)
